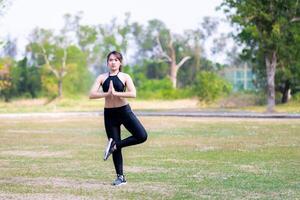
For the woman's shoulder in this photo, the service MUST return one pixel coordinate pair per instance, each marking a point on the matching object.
(123, 74)
(102, 76)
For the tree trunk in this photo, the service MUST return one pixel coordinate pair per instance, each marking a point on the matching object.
(60, 84)
(285, 92)
(6, 97)
(173, 74)
(271, 62)
(171, 56)
(173, 65)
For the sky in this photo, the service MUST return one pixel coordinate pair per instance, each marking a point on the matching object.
(22, 16)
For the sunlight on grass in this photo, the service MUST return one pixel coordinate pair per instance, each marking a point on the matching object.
(184, 158)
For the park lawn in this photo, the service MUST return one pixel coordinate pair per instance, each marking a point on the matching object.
(86, 105)
(83, 104)
(183, 158)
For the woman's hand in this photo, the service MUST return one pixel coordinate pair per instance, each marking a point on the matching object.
(111, 89)
(94, 92)
(130, 93)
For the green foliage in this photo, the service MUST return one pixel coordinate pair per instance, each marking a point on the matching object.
(49, 83)
(26, 79)
(156, 85)
(155, 88)
(88, 51)
(6, 85)
(145, 37)
(209, 86)
(188, 72)
(270, 32)
(155, 70)
(296, 97)
(21, 80)
(79, 79)
(162, 88)
(159, 89)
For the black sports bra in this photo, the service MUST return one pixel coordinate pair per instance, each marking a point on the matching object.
(118, 84)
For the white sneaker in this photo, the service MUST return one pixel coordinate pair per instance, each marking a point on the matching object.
(120, 180)
(109, 148)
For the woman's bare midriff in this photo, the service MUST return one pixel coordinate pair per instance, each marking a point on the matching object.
(114, 102)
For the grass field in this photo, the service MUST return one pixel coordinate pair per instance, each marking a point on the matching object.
(183, 158)
(84, 104)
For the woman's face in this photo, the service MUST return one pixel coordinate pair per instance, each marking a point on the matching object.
(114, 63)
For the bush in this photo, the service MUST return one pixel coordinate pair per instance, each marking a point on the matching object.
(161, 89)
(296, 97)
(209, 86)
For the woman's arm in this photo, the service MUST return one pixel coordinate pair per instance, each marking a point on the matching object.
(95, 93)
(130, 89)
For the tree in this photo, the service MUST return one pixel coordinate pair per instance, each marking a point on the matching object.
(3, 4)
(114, 36)
(5, 78)
(193, 42)
(26, 79)
(9, 47)
(51, 50)
(287, 76)
(170, 55)
(53, 54)
(97, 40)
(79, 78)
(264, 27)
(145, 39)
(155, 41)
(63, 66)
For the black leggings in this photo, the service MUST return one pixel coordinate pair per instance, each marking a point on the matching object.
(113, 118)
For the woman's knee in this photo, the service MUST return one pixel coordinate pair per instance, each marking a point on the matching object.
(117, 152)
(143, 137)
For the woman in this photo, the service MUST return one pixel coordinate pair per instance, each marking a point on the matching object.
(116, 86)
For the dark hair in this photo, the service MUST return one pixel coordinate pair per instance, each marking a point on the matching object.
(119, 57)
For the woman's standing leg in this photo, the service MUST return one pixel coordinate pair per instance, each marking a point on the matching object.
(113, 131)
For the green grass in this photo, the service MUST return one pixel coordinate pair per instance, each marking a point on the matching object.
(82, 103)
(184, 158)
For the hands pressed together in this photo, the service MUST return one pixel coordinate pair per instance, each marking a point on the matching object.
(111, 90)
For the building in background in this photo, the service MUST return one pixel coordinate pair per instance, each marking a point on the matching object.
(241, 77)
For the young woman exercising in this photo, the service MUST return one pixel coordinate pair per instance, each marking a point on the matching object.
(116, 86)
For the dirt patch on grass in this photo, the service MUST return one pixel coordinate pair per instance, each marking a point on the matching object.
(29, 131)
(250, 168)
(55, 182)
(202, 175)
(44, 196)
(96, 186)
(135, 169)
(162, 105)
(28, 102)
(4, 163)
(181, 161)
(163, 191)
(37, 154)
(206, 148)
